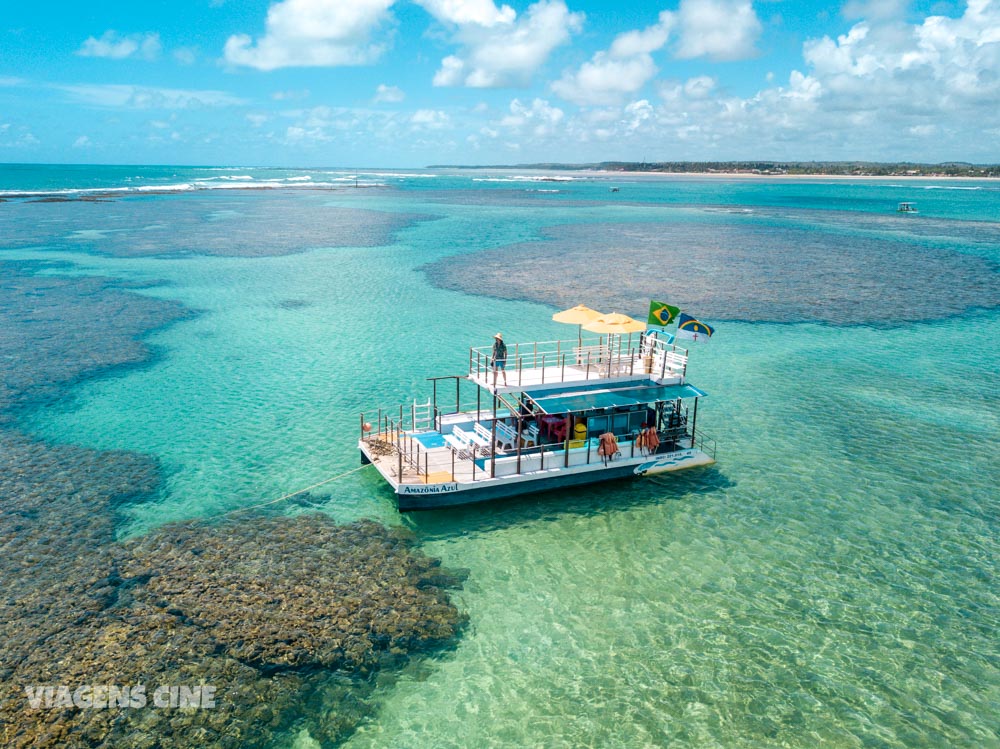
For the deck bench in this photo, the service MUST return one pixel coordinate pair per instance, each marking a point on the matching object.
(530, 435)
(461, 442)
(480, 436)
(506, 436)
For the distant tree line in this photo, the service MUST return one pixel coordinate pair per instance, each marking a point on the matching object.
(845, 168)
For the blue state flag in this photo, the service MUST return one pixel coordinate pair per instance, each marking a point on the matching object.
(693, 330)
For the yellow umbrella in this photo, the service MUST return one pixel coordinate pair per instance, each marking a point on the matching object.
(577, 315)
(614, 324)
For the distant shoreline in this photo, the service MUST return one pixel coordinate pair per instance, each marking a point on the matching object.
(811, 176)
(840, 170)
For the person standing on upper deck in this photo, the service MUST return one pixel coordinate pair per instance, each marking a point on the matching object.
(499, 358)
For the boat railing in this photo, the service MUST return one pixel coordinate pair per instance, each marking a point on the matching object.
(391, 433)
(705, 443)
(394, 435)
(541, 362)
(395, 431)
(562, 454)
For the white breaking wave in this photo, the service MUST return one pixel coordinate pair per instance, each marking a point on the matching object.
(226, 182)
(523, 178)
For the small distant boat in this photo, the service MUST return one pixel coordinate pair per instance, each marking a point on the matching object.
(907, 208)
(614, 189)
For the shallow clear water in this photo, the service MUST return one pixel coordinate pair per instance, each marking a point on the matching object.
(831, 581)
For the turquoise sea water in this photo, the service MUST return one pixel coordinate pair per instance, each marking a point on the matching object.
(830, 582)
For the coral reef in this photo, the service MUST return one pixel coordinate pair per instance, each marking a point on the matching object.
(282, 593)
(228, 225)
(272, 612)
(748, 270)
(56, 330)
(258, 610)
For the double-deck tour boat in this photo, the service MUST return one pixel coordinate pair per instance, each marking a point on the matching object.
(567, 413)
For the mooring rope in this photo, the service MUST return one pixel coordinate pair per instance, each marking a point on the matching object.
(283, 497)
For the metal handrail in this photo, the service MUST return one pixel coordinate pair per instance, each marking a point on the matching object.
(706, 444)
(594, 353)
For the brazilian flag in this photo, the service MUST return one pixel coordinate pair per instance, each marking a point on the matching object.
(693, 330)
(661, 314)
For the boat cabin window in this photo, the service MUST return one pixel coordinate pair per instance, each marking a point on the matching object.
(617, 423)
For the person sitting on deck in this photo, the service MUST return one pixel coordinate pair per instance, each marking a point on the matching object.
(607, 447)
(499, 358)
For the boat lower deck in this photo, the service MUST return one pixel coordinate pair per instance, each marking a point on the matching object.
(428, 472)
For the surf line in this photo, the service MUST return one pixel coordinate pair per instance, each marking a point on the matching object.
(281, 498)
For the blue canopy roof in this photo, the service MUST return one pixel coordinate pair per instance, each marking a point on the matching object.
(584, 400)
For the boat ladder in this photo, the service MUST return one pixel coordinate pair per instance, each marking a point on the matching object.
(422, 416)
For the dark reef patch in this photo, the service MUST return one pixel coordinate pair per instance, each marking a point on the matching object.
(287, 593)
(224, 224)
(56, 330)
(272, 612)
(737, 269)
(295, 303)
(262, 610)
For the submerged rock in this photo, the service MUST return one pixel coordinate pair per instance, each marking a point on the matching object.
(55, 331)
(263, 609)
(761, 267)
(285, 593)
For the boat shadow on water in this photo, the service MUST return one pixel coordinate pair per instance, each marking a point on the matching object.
(555, 504)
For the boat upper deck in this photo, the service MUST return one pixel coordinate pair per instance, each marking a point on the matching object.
(544, 365)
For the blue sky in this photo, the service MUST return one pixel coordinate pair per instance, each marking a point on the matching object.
(411, 83)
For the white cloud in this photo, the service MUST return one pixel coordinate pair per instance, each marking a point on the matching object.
(882, 90)
(82, 142)
(450, 73)
(875, 9)
(116, 47)
(291, 95)
(645, 41)
(699, 87)
(461, 12)
(313, 33)
(605, 79)
(349, 127)
(186, 55)
(942, 67)
(636, 114)
(717, 29)
(430, 119)
(20, 137)
(257, 119)
(145, 97)
(10, 81)
(539, 120)
(296, 135)
(508, 52)
(388, 94)
(622, 70)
